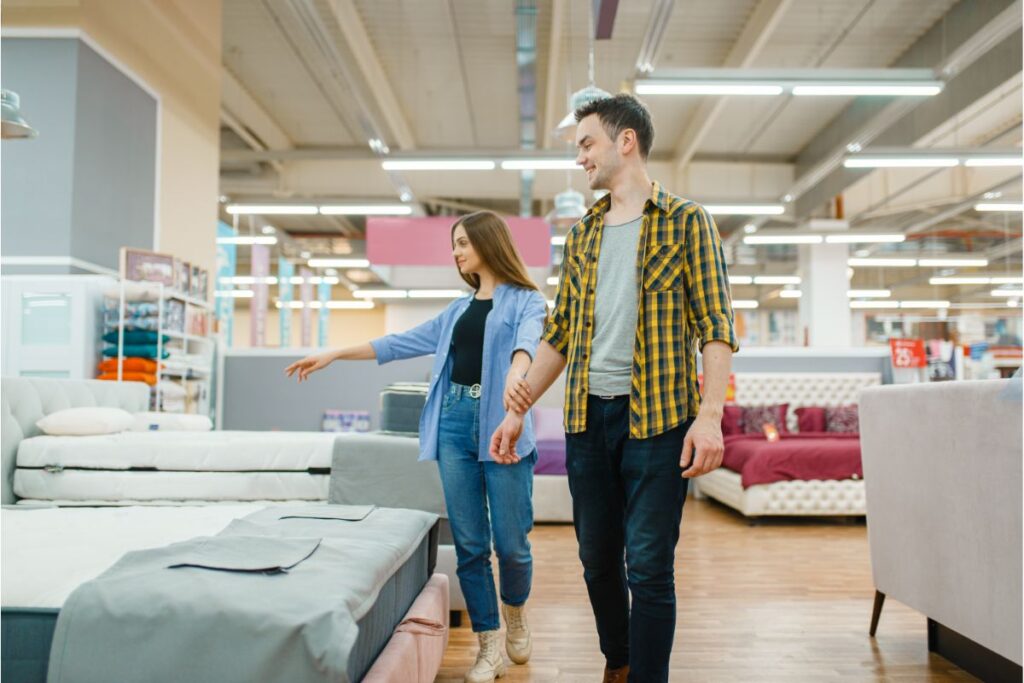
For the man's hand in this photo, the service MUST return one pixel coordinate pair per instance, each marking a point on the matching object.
(703, 446)
(503, 442)
(517, 396)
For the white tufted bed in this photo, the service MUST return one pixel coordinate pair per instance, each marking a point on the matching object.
(793, 498)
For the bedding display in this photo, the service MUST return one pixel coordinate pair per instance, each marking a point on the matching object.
(175, 466)
(805, 457)
(332, 612)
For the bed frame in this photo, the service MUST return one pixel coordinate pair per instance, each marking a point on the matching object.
(792, 498)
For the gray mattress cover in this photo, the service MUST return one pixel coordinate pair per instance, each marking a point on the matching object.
(140, 621)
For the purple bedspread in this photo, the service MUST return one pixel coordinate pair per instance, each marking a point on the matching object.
(550, 456)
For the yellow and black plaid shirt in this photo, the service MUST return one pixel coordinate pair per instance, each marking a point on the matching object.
(683, 302)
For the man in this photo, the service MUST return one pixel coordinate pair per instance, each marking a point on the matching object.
(643, 283)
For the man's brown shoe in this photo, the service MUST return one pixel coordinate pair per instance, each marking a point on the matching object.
(620, 675)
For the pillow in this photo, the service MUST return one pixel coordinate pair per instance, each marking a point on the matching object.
(842, 420)
(810, 419)
(171, 422)
(130, 364)
(86, 421)
(754, 418)
(134, 337)
(136, 350)
(732, 420)
(170, 389)
(129, 376)
(547, 424)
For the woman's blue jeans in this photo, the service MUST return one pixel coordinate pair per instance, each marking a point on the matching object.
(471, 489)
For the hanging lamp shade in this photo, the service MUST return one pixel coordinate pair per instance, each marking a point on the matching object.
(13, 125)
(566, 128)
(569, 208)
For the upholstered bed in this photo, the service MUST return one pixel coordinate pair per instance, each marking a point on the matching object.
(50, 552)
(793, 497)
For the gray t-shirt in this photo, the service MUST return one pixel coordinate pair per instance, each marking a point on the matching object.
(615, 311)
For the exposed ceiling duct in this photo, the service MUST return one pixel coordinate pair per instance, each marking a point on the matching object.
(526, 65)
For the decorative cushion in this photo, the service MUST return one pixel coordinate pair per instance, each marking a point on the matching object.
(843, 419)
(134, 337)
(754, 418)
(129, 376)
(86, 421)
(130, 364)
(732, 420)
(810, 419)
(171, 422)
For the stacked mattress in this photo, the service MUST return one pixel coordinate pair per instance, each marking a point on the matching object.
(161, 467)
(166, 593)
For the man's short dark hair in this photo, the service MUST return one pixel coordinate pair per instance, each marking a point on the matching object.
(619, 112)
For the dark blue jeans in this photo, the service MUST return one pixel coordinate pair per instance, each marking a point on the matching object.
(627, 502)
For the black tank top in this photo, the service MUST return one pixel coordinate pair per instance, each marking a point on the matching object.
(468, 342)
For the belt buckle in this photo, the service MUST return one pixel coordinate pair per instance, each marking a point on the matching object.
(474, 391)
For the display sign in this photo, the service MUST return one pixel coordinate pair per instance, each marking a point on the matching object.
(907, 353)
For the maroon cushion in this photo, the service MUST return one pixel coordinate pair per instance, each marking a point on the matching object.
(732, 420)
(755, 418)
(810, 419)
(843, 420)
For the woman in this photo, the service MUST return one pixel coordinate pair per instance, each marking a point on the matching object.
(481, 343)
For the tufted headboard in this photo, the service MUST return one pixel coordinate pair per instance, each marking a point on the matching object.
(800, 389)
(27, 400)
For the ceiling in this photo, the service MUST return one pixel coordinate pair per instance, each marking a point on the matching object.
(308, 84)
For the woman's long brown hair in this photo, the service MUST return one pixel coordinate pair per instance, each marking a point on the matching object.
(491, 238)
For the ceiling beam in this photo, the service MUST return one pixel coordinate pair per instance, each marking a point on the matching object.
(604, 18)
(553, 103)
(358, 42)
(963, 45)
(249, 120)
(748, 46)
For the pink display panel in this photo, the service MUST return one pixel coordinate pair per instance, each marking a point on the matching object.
(426, 241)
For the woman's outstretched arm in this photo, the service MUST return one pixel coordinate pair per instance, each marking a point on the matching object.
(319, 361)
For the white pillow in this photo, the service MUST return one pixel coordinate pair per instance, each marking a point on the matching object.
(171, 422)
(86, 421)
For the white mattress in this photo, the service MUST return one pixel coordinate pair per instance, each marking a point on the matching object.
(113, 486)
(48, 552)
(182, 451)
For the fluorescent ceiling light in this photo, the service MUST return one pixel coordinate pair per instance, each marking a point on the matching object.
(882, 262)
(874, 304)
(1007, 292)
(557, 240)
(438, 165)
(868, 293)
(744, 303)
(750, 228)
(952, 262)
(790, 294)
(380, 294)
(995, 161)
(248, 239)
(741, 280)
(1007, 280)
(345, 305)
(247, 280)
(338, 263)
(709, 88)
(436, 293)
(1014, 207)
(272, 209)
(959, 281)
(553, 280)
(924, 304)
(538, 164)
(853, 238)
(776, 280)
(234, 294)
(365, 210)
(745, 209)
(924, 161)
(783, 239)
(879, 89)
(314, 280)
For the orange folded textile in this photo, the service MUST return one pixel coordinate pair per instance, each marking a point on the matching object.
(130, 364)
(130, 377)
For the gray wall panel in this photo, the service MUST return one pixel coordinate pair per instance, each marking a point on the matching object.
(258, 396)
(36, 175)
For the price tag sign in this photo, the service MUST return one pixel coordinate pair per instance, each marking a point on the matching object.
(907, 353)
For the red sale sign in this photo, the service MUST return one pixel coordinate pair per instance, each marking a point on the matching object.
(907, 353)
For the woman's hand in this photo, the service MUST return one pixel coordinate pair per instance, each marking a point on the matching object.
(309, 365)
(517, 396)
(503, 441)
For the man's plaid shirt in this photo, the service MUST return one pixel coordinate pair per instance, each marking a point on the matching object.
(683, 302)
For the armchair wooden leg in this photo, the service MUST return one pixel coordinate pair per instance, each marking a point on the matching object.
(876, 611)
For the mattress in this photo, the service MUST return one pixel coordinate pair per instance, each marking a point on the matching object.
(401, 405)
(176, 466)
(47, 553)
(794, 457)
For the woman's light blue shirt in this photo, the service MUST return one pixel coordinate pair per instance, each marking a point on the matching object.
(514, 324)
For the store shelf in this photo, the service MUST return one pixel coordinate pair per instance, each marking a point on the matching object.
(188, 337)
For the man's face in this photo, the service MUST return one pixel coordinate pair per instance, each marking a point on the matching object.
(596, 153)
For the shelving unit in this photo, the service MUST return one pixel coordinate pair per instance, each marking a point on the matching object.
(198, 349)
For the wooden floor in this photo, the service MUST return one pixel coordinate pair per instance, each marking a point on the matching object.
(780, 601)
